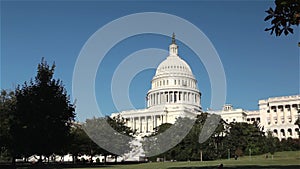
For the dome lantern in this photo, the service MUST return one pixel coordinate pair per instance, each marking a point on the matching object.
(173, 48)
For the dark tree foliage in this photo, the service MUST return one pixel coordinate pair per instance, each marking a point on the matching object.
(7, 106)
(118, 123)
(81, 144)
(43, 116)
(285, 15)
(227, 140)
(288, 144)
(111, 134)
(246, 138)
(270, 143)
(190, 148)
(162, 128)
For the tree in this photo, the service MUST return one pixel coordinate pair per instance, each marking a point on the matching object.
(285, 15)
(246, 137)
(111, 134)
(7, 105)
(270, 143)
(43, 115)
(189, 148)
(118, 123)
(81, 144)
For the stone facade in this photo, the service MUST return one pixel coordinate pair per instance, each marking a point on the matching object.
(276, 114)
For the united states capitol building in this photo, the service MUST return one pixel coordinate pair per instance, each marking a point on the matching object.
(174, 93)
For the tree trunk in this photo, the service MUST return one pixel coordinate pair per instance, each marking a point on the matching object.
(13, 161)
(73, 159)
(91, 159)
(105, 159)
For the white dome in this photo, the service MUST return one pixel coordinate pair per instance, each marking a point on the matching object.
(173, 65)
(174, 83)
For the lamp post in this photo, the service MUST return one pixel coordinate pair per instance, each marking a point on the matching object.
(250, 153)
(200, 155)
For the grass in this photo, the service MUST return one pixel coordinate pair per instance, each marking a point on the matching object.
(281, 160)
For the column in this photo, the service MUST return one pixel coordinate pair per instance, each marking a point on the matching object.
(153, 125)
(140, 121)
(292, 113)
(147, 127)
(134, 124)
(158, 100)
(155, 121)
(277, 114)
(166, 118)
(284, 114)
(271, 116)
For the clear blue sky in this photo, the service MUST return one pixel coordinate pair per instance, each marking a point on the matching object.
(257, 65)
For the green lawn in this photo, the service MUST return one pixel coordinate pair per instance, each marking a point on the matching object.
(281, 160)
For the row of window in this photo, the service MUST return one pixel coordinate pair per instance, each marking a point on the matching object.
(172, 97)
(282, 108)
(283, 120)
(283, 133)
(253, 119)
(189, 83)
(178, 67)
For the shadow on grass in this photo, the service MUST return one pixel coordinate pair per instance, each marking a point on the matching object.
(54, 166)
(241, 167)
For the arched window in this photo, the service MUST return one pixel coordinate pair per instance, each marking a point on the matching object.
(290, 132)
(282, 132)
